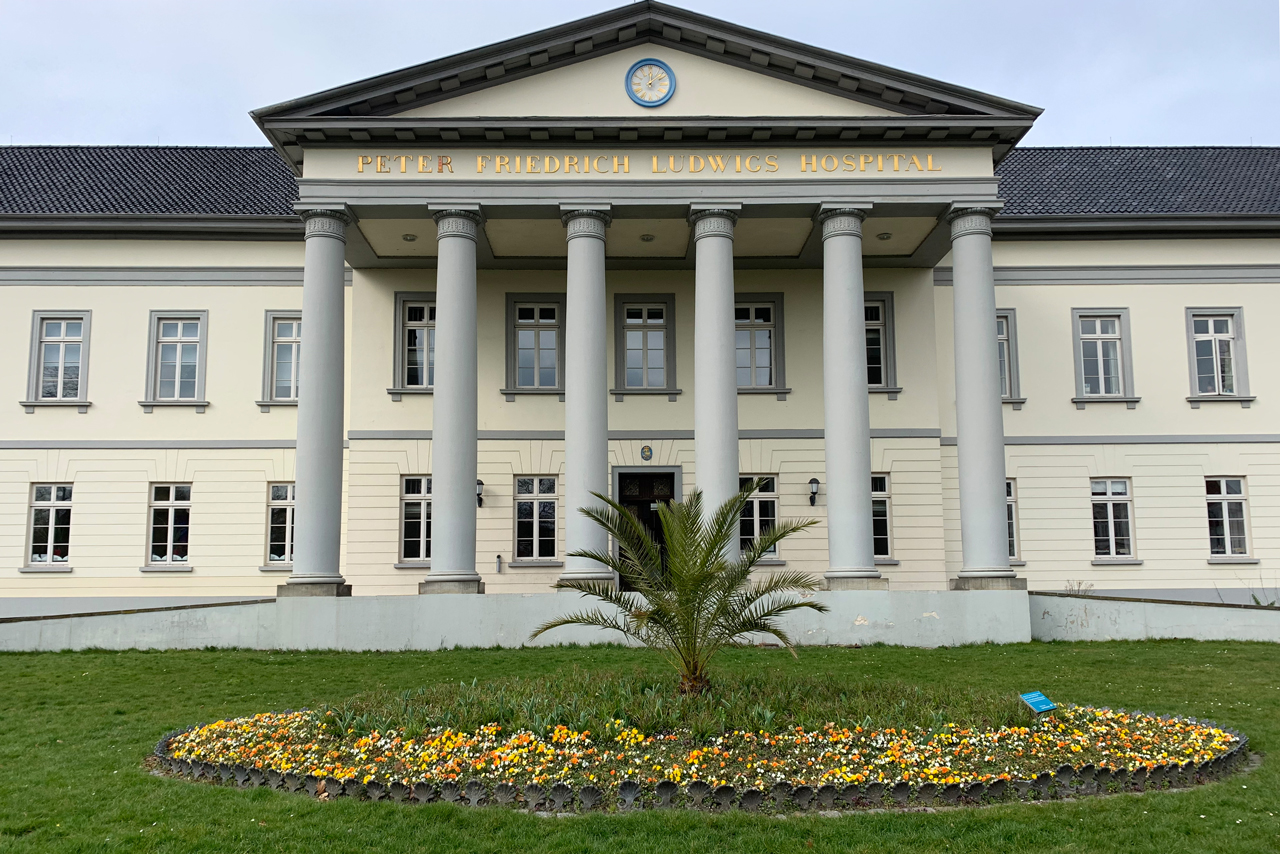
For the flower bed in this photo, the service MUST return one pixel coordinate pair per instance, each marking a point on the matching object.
(1076, 750)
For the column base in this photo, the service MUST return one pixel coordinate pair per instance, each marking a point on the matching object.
(450, 585)
(841, 582)
(310, 588)
(988, 582)
(606, 577)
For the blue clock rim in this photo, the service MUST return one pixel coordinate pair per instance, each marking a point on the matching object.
(626, 82)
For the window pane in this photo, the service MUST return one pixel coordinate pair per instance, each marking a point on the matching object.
(1221, 326)
(1217, 529)
(546, 314)
(1098, 487)
(1206, 379)
(413, 486)
(1225, 366)
(182, 493)
(279, 492)
(1088, 326)
(875, 358)
(63, 493)
(634, 315)
(1111, 367)
(1120, 516)
(764, 315)
(656, 315)
(1091, 367)
(161, 493)
(524, 486)
(53, 329)
(1200, 326)
(1213, 487)
(546, 486)
(1235, 527)
(880, 527)
(871, 313)
(169, 329)
(44, 493)
(1235, 487)
(525, 314)
(416, 313)
(1107, 326)
(1101, 529)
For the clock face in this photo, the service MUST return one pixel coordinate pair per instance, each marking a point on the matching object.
(650, 83)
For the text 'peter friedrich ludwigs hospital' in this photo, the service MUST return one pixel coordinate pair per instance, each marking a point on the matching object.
(639, 254)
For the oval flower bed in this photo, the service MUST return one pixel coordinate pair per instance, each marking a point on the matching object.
(1075, 750)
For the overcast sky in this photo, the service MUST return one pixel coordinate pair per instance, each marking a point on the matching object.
(1123, 72)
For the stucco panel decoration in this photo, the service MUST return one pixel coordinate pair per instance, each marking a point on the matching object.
(457, 224)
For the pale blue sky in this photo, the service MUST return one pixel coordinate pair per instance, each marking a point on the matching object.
(1128, 72)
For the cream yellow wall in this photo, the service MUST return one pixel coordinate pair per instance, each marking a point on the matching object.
(595, 87)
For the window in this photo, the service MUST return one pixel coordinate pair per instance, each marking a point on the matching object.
(535, 518)
(286, 341)
(753, 341)
(50, 523)
(280, 523)
(1112, 518)
(874, 316)
(644, 331)
(1227, 529)
(419, 345)
(1104, 369)
(880, 515)
(1011, 514)
(170, 523)
(59, 358)
(415, 518)
(760, 513)
(1007, 346)
(535, 353)
(1215, 347)
(176, 361)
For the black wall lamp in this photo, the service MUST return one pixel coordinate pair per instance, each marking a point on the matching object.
(479, 493)
(813, 491)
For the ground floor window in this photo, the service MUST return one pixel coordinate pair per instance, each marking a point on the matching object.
(280, 523)
(880, 535)
(1112, 518)
(1228, 533)
(760, 513)
(170, 523)
(535, 518)
(415, 518)
(50, 523)
(1011, 515)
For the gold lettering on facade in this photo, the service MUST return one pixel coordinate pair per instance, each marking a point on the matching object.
(382, 165)
(444, 162)
(571, 162)
(808, 161)
(657, 168)
(929, 158)
(697, 163)
(424, 163)
(864, 161)
(915, 161)
(879, 162)
(482, 160)
(755, 157)
(716, 161)
(626, 164)
(834, 163)
(552, 160)
(599, 168)
(896, 158)
(771, 163)
(404, 161)
(530, 166)
(850, 163)
(362, 161)
(502, 162)
(671, 163)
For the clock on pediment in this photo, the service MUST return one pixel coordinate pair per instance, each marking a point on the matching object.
(651, 83)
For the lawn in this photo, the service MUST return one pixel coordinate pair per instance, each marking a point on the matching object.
(76, 727)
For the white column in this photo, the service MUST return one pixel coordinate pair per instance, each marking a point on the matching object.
(715, 394)
(453, 428)
(979, 418)
(847, 413)
(586, 390)
(317, 514)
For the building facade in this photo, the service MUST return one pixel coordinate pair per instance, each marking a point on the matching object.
(639, 254)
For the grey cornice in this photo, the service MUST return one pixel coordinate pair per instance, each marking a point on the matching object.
(1141, 439)
(1133, 226)
(1223, 274)
(156, 276)
(643, 435)
(182, 227)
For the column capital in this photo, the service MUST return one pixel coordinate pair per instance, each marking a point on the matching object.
(326, 223)
(455, 222)
(713, 222)
(970, 221)
(585, 222)
(842, 221)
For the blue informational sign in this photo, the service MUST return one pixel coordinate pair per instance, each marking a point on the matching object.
(1038, 702)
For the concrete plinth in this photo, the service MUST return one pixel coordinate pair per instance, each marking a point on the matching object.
(838, 583)
(318, 589)
(443, 586)
(1003, 582)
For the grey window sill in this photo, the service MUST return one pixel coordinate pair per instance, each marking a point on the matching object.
(887, 561)
(265, 405)
(198, 405)
(276, 567)
(780, 392)
(1117, 561)
(534, 563)
(53, 568)
(1227, 560)
(512, 392)
(771, 561)
(82, 406)
(413, 564)
(1016, 401)
(397, 392)
(892, 391)
(177, 567)
(620, 394)
(1243, 400)
(1013, 562)
(1131, 402)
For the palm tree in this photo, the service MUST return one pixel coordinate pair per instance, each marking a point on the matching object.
(692, 601)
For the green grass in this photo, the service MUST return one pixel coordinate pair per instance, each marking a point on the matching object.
(75, 728)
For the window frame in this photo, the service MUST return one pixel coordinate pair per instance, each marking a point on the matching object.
(53, 504)
(398, 362)
(171, 504)
(1225, 498)
(620, 303)
(1010, 318)
(1239, 356)
(771, 556)
(150, 397)
(554, 559)
(778, 340)
(1128, 394)
(886, 497)
(890, 386)
(425, 498)
(515, 298)
(1012, 520)
(35, 361)
(290, 503)
(1110, 500)
(272, 317)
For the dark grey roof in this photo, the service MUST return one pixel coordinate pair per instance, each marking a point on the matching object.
(145, 181)
(1117, 181)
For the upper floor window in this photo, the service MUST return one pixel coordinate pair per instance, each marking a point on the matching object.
(59, 357)
(754, 345)
(50, 524)
(176, 362)
(1216, 348)
(286, 344)
(535, 344)
(875, 317)
(1103, 356)
(1007, 350)
(645, 346)
(419, 345)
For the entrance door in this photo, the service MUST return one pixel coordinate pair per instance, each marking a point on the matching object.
(641, 492)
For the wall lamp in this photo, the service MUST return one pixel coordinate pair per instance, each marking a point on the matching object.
(479, 493)
(813, 491)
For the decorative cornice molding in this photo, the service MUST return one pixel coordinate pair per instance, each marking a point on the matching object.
(843, 221)
(970, 221)
(457, 223)
(585, 223)
(713, 222)
(326, 223)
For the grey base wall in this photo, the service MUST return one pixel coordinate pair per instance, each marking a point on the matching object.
(1058, 617)
(389, 623)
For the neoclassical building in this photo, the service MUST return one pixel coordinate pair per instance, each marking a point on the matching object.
(638, 254)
